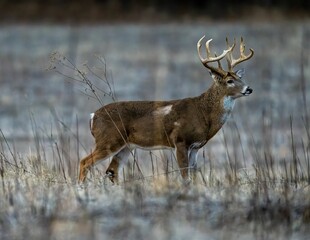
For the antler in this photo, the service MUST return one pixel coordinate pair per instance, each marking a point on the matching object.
(231, 62)
(210, 59)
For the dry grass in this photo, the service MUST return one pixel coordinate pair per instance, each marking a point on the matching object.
(267, 199)
(268, 203)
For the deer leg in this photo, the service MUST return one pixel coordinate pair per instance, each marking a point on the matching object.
(182, 157)
(117, 163)
(98, 154)
(193, 163)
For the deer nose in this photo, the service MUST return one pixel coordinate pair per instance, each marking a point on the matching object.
(247, 91)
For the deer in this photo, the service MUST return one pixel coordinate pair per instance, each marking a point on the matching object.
(183, 125)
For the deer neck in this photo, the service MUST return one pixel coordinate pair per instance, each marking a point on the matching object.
(216, 105)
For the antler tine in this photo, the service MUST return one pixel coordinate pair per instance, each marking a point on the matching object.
(210, 59)
(232, 46)
(231, 62)
(218, 62)
(229, 56)
(208, 48)
(198, 48)
(242, 47)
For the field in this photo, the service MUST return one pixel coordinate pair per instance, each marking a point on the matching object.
(254, 175)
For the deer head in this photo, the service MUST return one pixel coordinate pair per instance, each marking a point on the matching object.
(229, 80)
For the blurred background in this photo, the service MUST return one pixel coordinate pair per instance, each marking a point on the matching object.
(150, 10)
(149, 48)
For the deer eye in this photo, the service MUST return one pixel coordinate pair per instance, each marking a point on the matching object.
(230, 81)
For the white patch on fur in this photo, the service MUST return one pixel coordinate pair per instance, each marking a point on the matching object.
(228, 104)
(177, 124)
(163, 110)
(92, 120)
(244, 89)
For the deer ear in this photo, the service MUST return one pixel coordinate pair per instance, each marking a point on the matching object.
(240, 73)
(216, 77)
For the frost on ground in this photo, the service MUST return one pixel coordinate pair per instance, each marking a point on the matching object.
(36, 205)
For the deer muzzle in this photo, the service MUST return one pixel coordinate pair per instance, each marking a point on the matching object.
(247, 91)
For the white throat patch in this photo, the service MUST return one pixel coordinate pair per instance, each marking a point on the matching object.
(228, 104)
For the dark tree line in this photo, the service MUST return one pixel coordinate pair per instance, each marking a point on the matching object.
(171, 4)
(113, 9)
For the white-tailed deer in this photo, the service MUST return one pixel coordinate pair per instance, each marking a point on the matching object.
(185, 125)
